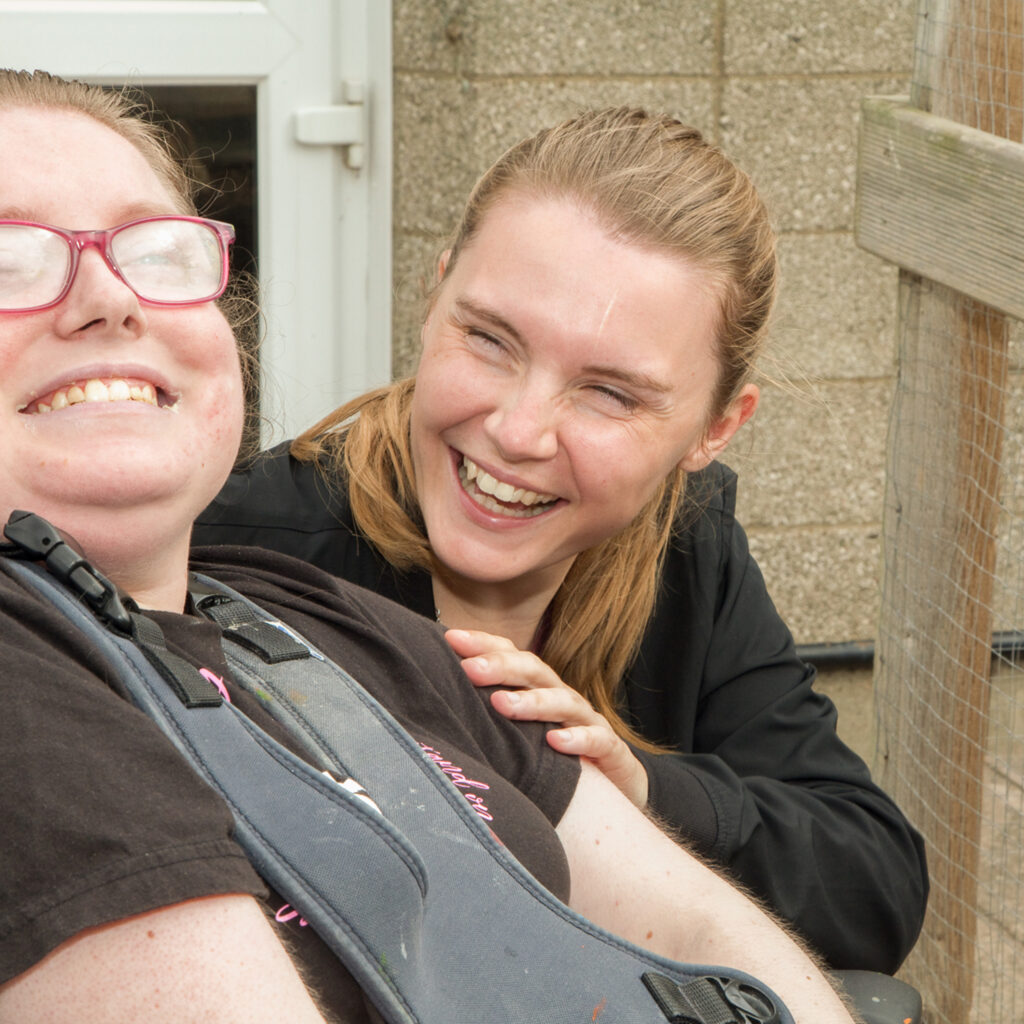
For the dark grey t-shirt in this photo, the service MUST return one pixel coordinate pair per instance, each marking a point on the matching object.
(104, 820)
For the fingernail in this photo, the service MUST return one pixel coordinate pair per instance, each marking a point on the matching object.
(512, 697)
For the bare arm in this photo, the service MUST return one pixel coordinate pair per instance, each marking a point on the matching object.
(631, 879)
(210, 960)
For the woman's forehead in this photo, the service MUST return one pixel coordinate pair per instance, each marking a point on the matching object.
(60, 166)
(549, 275)
(565, 249)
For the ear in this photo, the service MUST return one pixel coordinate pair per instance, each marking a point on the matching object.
(442, 264)
(720, 432)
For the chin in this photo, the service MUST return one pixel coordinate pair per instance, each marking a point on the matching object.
(127, 544)
(106, 510)
(494, 565)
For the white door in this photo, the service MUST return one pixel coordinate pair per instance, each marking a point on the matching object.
(320, 74)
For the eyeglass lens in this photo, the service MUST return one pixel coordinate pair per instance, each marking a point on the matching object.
(163, 260)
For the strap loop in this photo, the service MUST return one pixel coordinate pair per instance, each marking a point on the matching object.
(709, 1000)
(269, 640)
(189, 686)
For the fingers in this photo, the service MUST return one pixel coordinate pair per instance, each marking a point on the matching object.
(494, 661)
(538, 694)
(609, 753)
(595, 742)
(584, 733)
(468, 642)
(546, 704)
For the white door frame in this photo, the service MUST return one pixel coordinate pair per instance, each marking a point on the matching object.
(324, 209)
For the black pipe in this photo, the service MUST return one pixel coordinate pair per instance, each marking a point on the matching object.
(1005, 644)
(846, 652)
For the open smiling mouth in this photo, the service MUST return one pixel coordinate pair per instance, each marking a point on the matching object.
(501, 498)
(111, 389)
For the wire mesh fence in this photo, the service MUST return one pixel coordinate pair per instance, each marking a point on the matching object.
(950, 666)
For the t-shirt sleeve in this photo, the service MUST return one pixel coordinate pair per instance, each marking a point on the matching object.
(102, 817)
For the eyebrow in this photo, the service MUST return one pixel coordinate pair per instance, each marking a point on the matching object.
(465, 306)
(13, 213)
(137, 211)
(630, 378)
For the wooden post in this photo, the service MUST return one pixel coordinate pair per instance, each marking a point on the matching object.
(940, 533)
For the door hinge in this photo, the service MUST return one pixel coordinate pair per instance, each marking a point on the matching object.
(342, 124)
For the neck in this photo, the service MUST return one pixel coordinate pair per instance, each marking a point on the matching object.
(157, 592)
(146, 562)
(512, 608)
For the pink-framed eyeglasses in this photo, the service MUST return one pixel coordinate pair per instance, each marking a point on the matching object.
(166, 261)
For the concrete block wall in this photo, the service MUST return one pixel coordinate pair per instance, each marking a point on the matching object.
(777, 83)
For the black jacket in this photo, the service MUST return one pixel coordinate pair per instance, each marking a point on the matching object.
(760, 782)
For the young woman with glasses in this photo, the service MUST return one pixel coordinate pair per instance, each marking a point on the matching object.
(550, 477)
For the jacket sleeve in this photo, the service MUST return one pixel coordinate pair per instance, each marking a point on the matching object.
(759, 780)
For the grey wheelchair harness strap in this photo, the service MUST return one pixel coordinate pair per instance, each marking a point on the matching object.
(392, 891)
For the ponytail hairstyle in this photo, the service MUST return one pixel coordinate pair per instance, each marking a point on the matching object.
(651, 182)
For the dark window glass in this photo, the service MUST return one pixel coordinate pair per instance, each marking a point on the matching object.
(218, 127)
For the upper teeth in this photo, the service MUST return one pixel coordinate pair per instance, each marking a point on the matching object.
(95, 390)
(501, 490)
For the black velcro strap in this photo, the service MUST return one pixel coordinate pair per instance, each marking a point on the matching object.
(190, 687)
(706, 998)
(222, 609)
(698, 1002)
(265, 640)
(248, 629)
(710, 1001)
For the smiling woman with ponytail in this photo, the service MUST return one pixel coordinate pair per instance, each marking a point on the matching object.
(548, 488)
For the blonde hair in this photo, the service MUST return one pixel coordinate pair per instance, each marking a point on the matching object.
(652, 182)
(130, 114)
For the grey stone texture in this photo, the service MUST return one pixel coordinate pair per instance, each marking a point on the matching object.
(804, 462)
(836, 316)
(824, 580)
(787, 37)
(604, 38)
(470, 123)
(850, 689)
(777, 83)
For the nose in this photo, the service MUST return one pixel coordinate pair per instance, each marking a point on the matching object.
(524, 424)
(99, 300)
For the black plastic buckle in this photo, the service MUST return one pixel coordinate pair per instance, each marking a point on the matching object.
(711, 1000)
(34, 536)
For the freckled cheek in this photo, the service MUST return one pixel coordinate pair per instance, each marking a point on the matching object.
(620, 478)
(224, 411)
(449, 393)
(600, 458)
